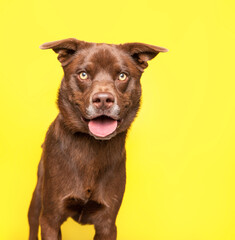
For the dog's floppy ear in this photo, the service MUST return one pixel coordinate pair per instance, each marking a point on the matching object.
(142, 52)
(65, 48)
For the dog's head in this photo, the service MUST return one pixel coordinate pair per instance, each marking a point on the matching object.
(100, 92)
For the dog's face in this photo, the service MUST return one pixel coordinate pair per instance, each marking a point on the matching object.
(100, 92)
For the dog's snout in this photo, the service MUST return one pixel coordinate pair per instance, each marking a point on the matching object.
(103, 100)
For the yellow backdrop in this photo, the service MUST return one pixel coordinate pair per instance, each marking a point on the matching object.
(180, 149)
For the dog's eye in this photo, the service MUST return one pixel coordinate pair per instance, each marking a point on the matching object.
(122, 77)
(83, 75)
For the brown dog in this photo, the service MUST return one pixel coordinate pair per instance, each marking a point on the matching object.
(82, 171)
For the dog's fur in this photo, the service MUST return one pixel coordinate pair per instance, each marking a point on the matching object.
(81, 174)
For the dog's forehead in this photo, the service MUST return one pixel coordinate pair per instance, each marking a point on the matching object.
(104, 55)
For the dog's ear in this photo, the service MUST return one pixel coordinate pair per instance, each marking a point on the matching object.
(65, 48)
(142, 52)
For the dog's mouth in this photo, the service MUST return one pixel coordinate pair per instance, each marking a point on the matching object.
(102, 126)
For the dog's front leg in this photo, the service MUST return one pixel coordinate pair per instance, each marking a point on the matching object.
(50, 228)
(35, 206)
(105, 230)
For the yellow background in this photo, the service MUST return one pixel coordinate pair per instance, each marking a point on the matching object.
(180, 150)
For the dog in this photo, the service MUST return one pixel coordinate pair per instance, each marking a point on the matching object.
(82, 172)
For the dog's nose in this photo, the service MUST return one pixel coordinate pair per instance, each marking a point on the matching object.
(103, 100)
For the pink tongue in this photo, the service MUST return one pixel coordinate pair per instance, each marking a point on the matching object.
(102, 127)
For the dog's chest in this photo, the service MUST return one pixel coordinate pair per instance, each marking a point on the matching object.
(88, 177)
(85, 167)
(89, 173)
(88, 189)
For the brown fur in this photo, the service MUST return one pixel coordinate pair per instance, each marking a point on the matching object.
(81, 175)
